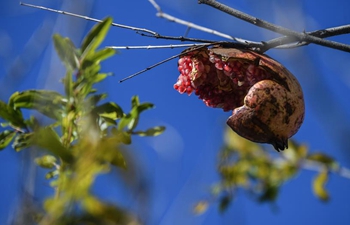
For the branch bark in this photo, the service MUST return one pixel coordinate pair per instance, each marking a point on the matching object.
(284, 42)
(292, 39)
(162, 14)
(301, 37)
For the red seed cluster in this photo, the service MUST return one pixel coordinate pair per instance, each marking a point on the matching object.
(219, 81)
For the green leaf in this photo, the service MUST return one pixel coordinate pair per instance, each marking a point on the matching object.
(144, 106)
(109, 149)
(95, 37)
(102, 55)
(94, 99)
(68, 84)
(116, 158)
(48, 139)
(6, 124)
(83, 89)
(126, 120)
(318, 185)
(106, 122)
(296, 153)
(106, 213)
(135, 101)
(33, 123)
(154, 131)
(49, 103)
(6, 138)
(66, 51)
(322, 158)
(89, 68)
(52, 174)
(131, 119)
(120, 137)
(46, 161)
(22, 141)
(88, 78)
(110, 110)
(14, 116)
(270, 193)
(99, 77)
(301, 149)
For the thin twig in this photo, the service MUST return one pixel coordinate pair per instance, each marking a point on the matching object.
(302, 37)
(141, 31)
(171, 18)
(163, 61)
(158, 46)
(228, 44)
(148, 68)
(285, 42)
(182, 38)
(91, 19)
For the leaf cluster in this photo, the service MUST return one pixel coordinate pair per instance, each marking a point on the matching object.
(84, 137)
(246, 166)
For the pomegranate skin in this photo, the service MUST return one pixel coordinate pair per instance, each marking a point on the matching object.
(273, 109)
(266, 99)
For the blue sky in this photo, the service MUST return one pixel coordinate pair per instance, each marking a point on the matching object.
(179, 166)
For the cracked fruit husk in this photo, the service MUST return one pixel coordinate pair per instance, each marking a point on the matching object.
(266, 99)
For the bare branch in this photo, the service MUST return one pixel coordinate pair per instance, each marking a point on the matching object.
(141, 31)
(301, 37)
(137, 29)
(180, 38)
(283, 42)
(171, 18)
(158, 46)
(148, 68)
(227, 44)
(164, 61)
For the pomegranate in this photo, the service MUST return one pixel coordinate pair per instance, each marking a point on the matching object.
(266, 99)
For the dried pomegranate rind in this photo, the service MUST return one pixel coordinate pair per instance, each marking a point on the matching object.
(266, 99)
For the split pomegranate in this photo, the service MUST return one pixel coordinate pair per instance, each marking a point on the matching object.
(266, 99)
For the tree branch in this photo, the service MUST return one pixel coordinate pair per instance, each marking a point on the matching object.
(163, 61)
(138, 30)
(179, 38)
(171, 18)
(158, 46)
(288, 41)
(301, 37)
(91, 19)
(284, 42)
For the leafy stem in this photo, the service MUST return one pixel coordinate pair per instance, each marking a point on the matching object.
(90, 137)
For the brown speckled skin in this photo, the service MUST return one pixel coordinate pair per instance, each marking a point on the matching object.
(273, 109)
